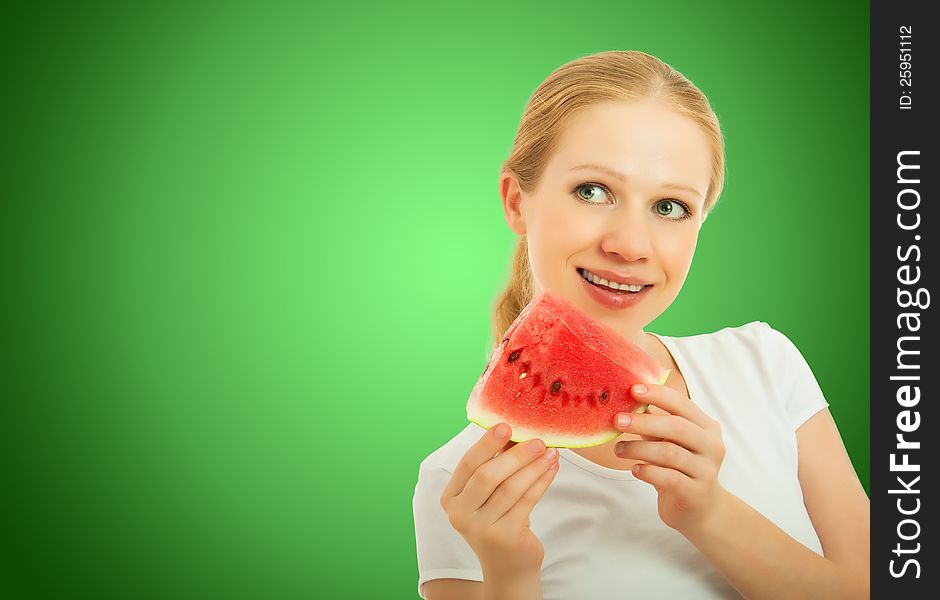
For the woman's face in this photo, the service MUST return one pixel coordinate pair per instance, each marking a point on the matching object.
(641, 227)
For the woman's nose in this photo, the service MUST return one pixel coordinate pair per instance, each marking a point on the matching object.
(627, 234)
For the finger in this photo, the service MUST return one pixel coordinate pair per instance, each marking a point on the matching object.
(494, 472)
(664, 454)
(508, 493)
(653, 410)
(669, 427)
(673, 402)
(620, 427)
(493, 441)
(518, 515)
(662, 478)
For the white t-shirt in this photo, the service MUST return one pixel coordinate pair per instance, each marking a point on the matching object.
(600, 528)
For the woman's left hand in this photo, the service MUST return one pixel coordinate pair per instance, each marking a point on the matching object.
(681, 453)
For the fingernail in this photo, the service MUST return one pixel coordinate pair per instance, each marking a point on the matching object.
(551, 454)
(639, 389)
(623, 420)
(535, 446)
(502, 431)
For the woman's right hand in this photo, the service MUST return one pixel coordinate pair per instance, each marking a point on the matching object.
(489, 497)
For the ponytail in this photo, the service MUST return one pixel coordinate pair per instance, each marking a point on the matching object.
(517, 294)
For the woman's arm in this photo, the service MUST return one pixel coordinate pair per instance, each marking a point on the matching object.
(761, 561)
(682, 452)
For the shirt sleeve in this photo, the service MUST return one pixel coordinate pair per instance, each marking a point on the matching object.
(798, 388)
(442, 552)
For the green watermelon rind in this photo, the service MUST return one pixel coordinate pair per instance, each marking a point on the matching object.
(664, 377)
(520, 436)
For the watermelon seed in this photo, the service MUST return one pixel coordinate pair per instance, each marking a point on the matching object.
(514, 356)
(556, 386)
(522, 376)
(604, 397)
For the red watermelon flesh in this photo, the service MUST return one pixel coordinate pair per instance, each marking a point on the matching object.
(561, 376)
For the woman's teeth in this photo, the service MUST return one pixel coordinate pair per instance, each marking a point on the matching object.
(609, 284)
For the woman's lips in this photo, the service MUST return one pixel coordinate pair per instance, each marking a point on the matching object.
(611, 299)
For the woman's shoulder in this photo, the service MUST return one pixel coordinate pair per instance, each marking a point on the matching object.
(748, 329)
(753, 332)
(755, 357)
(757, 339)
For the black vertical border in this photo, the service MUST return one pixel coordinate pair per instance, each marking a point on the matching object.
(894, 130)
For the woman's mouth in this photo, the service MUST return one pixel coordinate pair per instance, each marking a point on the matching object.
(612, 286)
(612, 295)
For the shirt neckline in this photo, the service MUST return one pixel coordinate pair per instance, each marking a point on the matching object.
(606, 472)
(588, 465)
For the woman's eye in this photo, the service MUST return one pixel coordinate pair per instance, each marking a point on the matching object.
(672, 209)
(594, 193)
(595, 197)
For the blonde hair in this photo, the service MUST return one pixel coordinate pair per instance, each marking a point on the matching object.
(614, 75)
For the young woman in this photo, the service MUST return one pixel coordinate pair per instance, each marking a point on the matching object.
(736, 481)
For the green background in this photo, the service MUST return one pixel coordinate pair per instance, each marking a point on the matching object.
(250, 252)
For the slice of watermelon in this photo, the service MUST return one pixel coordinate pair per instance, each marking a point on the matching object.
(560, 375)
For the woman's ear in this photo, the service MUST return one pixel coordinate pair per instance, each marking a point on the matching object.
(512, 202)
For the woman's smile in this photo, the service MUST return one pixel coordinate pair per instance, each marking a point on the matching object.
(599, 290)
(613, 280)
